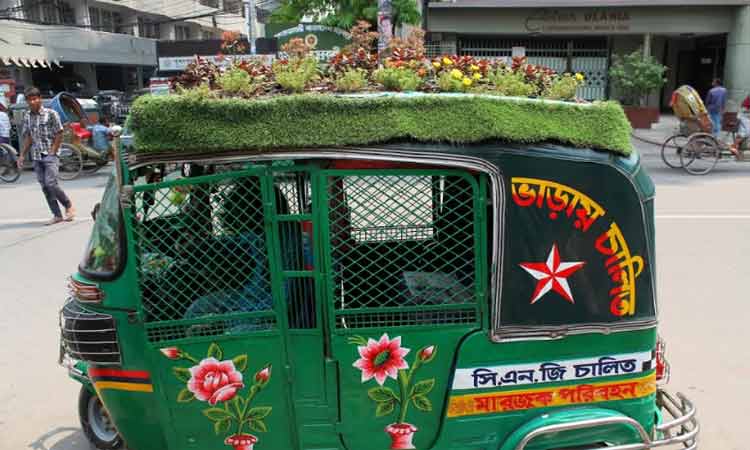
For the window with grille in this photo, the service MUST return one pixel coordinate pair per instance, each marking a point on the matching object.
(182, 33)
(404, 248)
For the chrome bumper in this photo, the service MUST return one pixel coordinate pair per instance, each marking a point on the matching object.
(682, 428)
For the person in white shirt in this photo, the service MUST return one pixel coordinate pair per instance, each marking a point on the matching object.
(4, 121)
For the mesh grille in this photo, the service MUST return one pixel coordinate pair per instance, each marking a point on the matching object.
(201, 252)
(216, 327)
(407, 318)
(401, 241)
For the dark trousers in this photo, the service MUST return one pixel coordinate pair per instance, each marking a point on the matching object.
(46, 171)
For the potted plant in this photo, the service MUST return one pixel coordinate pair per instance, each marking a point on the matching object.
(635, 77)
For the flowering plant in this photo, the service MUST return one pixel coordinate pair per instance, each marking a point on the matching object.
(217, 381)
(231, 43)
(383, 359)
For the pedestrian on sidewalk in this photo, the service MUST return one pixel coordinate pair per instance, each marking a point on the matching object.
(42, 134)
(4, 121)
(716, 101)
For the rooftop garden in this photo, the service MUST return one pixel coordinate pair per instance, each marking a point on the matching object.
(397, 95)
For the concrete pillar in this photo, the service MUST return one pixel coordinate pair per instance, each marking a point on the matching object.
(81, 11)
(737, 67)
(88, 72)
(647, 45)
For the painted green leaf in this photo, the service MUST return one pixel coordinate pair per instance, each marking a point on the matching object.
(222, 426)
(357, 340)
(216, 414)
(257, 425)
(423, 387)
(215, 351)
(238, 403)
(185, 396)
(422, 403)
(381, 394)
(259, 412)
(240, 362)
(385, 408)
(182, 373)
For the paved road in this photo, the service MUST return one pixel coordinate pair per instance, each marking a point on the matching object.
(703, 225)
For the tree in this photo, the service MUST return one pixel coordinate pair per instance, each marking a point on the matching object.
(635, 77)
(345, 13)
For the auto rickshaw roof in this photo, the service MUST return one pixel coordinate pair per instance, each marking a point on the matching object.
(181, 124)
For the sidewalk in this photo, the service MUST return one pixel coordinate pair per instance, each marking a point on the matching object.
(648, 142)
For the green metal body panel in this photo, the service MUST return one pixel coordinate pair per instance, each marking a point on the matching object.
(318, 396)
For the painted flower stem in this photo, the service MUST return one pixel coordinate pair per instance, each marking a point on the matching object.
(404, 382)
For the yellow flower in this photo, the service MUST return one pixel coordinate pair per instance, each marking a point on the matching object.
(474, 68)
(467, 81)
(579, 77)
(436, 64)
(457, 74)
(447, 61)
(477, 76)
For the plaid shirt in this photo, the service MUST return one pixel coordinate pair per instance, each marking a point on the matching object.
(42, 127)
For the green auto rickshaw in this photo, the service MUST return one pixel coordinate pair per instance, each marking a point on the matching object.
(373, 271)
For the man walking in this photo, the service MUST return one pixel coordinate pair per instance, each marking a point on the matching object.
(716, 100)
(42, 134)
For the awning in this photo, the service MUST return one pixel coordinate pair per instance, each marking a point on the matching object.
(20, 47)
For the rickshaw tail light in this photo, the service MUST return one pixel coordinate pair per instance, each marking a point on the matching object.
(662, 366)
(85, 292)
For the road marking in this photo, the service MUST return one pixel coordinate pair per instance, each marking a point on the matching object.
(703, 216)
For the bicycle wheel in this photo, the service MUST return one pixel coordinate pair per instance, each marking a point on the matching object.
(71, 162)
(671, 149)
(700, 154)
(9, 171)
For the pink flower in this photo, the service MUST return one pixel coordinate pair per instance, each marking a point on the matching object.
(426, 353)
(381, 359)
(171, 352)
(263, 376)
(214, 381)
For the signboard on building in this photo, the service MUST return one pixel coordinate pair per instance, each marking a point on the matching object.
(179, 63)
(325, 41)
(575, 21)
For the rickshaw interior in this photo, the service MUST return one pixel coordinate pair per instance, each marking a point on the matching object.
(402, 244)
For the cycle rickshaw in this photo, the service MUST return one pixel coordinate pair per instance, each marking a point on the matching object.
(693, 147)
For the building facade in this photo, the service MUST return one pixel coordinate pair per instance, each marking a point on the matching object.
(696, 39)
(85, 46)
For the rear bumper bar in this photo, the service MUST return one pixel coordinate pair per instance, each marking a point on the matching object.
(680, 426)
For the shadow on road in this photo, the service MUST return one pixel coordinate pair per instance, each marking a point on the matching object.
(33, 224)
(64, 438)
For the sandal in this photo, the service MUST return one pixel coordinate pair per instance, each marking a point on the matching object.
(53, 221)
(70, 214)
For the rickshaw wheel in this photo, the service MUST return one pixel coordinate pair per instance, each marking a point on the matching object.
(9, 172)
(700, 154)
(95, 422)
(671, 150)
(71, 162)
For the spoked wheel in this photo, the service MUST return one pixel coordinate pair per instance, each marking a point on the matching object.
(700, 154)
(95, 422)
(671, 149)
(71, 162)
(9, 171)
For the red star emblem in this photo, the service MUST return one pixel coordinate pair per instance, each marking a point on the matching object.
(552, 275)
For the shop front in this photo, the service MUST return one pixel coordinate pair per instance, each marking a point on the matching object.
(696, 42)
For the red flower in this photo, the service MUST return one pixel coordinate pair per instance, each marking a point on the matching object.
(214, 381)
(263, 376)
(171, 352)
(381, 359)
(426, 353)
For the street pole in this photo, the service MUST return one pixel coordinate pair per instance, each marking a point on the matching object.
(250, 22)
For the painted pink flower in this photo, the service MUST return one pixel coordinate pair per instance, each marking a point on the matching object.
(214, 381)
(381, 359)
(426, 353)
(263, 376)
(171, 352)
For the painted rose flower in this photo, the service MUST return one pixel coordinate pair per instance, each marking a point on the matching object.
(214, 381)
(381, 359)
(171, 352)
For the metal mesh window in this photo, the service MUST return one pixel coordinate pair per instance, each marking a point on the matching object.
(403, 249)
(201, 252)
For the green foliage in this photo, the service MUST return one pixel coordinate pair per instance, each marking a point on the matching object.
(351, 80)
(635, 77)
(398, 79)
(200, 93)
(236, 81)
(174, 124)
(295, 74)
(452, 81)
(509, 83)
(344, 13)
(563, 87)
